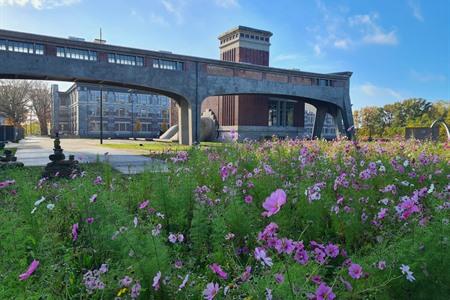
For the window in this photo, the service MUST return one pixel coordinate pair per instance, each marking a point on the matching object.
(3, 45)
(281, 113)
(76, 53)
(122, 59)
(168, 64)
(323, 82)
(21, 47)
(122, 126)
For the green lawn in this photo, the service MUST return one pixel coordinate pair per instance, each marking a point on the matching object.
(159, 146)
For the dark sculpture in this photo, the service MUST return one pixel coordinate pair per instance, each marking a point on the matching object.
(9, 160)
(59, 167)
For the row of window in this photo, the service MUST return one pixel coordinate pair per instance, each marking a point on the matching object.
(126, 126)
(122, 59)
(168, 64)
(244, 35)
(76, 53)
(21, 47)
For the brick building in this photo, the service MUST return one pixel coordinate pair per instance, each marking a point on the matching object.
(126, 113)
(254, 116)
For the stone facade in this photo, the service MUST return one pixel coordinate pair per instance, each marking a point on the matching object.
(186, 79)
(126, 113)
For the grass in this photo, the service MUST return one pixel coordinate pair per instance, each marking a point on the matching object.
(158, 147)
(202, 197)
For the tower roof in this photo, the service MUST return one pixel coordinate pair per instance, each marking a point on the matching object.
(245, 29)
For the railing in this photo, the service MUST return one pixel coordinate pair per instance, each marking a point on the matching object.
(217, 70)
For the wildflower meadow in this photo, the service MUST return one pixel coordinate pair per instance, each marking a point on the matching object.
(279, 219)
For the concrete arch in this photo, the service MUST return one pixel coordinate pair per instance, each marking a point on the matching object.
(441, 121)
(184, 107)
(188, 85)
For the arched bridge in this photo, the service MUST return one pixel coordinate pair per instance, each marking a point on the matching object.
(188, 80)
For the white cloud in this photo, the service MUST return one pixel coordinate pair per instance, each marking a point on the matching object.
(331, 33)
(39, 4)
(285, 57)
(370, 94)
(174, 8)
(416, 11)
(317, 50)
(342, 43)
(427, 77)
(381, 38)
(228, 3)
(372, 32)
(159, 20)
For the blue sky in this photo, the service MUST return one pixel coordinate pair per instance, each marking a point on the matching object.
(396, 49)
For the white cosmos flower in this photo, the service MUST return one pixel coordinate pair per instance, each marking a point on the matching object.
(39, 201)
(50, 206)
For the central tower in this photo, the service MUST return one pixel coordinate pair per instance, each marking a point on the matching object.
(245, 45)
(253, 116)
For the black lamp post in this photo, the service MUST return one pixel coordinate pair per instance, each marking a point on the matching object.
(101, 114)
(130, 91)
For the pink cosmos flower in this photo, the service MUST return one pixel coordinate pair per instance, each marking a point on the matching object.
(6, 183)
(248, 199)
(93, 198)
(126, 281)
(316, 279)
(90, 220)
(301, 256)
(319, 255)
(382, 213)
(274, 202)
(247, 273)
(268, 232)
(144, 204)
(98, 180)
(180, 237)
(355, 271)
(279, 278)
(324, 292)
(156, 280)
(218, 270)
(172, 238)
(211, 291)
(178, 264)
(332, 250)
(381, 265)
(284, 245)
(135, 290)
(75, 231)
(260, 255)
(31, 268)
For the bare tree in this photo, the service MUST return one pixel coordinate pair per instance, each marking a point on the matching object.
(40, 98)
(14, 101)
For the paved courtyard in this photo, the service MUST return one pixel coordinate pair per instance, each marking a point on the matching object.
(34, 151)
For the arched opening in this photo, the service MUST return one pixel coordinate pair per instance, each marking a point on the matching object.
(257, 116)
(131, 115)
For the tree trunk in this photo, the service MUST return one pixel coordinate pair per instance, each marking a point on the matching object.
(44, 128)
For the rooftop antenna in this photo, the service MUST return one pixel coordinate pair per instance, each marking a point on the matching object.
(100, 40)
